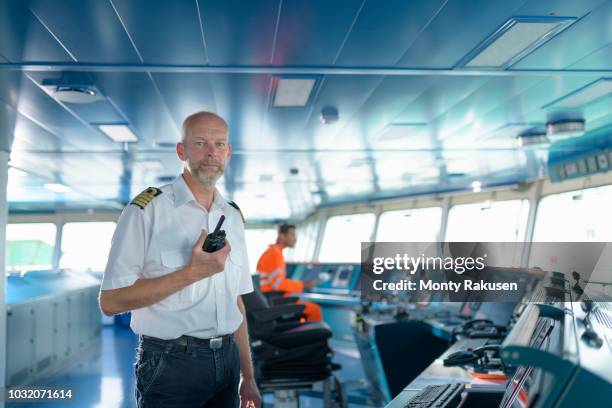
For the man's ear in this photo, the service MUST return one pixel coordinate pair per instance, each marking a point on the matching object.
(180, 151)
(229, 151)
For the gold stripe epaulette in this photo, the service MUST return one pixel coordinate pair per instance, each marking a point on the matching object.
(143, 199)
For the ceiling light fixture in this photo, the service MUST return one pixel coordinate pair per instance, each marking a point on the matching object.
(293, 92)
(118, 132)
(536, 136)
(514, 40)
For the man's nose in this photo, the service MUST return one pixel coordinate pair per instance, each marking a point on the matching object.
(210, 151)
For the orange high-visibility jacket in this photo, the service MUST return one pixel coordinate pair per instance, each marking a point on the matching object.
(273, 275)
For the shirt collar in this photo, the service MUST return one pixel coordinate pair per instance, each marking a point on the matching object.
(183, 195)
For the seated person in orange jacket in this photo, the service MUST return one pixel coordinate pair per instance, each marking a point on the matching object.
(273, 273)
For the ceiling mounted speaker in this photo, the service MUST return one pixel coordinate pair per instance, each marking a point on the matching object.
(72, 91)
(329, 115)
(535, 136)
(565, 128)
(75, 94)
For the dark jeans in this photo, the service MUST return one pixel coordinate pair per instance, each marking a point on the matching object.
(170, 375)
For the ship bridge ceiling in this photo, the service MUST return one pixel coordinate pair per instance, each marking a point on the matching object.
(326, 101)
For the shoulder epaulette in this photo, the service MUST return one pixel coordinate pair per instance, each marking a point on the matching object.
(143, 199)
(233, 204)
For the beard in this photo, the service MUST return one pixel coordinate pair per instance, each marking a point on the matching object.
(202, 174)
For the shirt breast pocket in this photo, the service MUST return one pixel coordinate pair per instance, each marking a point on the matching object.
(171, 261)
(234, 267)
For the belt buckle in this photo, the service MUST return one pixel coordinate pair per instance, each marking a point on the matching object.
(216, 342)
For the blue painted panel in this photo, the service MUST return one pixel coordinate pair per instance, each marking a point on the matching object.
(186, 93)
(165, 32)
(239, 32)
(581, 39)
(527, 107)
(472, 110)
(135, 97)
(601, 59)
(384, 105)
(7, 126)
(458, 28)
(312, 32)
(23, 38)
(241, 100)
(30, 136)
(89, 29)
(381, 35)
(444, 93)
(348, 95)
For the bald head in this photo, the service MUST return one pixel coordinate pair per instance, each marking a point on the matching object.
(203, 122)
(204, 147)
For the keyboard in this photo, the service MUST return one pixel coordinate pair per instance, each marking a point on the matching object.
(444, 395)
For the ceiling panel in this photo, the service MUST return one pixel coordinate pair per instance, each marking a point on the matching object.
(312, 33)
(239, 32)
(165, 32)
(386, 32)
(24, 38)
(186, 93)
(89, 29)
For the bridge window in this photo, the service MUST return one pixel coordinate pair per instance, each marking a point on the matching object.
(85, 245)
(257, 241)
(306, 242)
(29, 247)
(575, 216)
(343, 236)
(416, 225)
(489, 221)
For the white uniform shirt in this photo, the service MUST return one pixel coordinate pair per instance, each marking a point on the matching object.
(157, 240)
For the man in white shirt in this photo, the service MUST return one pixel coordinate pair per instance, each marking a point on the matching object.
(185, 303)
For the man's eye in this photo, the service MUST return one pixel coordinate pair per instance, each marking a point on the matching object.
(221, 145)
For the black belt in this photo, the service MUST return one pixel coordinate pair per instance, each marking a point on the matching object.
(213, 342)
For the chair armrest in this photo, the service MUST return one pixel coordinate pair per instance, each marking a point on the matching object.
(288, 300)
(279, 312)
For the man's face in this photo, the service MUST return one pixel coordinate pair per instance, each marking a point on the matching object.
(205, 150)
(290, 238)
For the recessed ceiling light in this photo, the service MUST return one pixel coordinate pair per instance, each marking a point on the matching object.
(293, 92)
(535, 136)
(515, 39)
(585, 95)
(118, 132)
(58, 188)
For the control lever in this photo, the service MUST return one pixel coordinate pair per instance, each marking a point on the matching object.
(215, 240)
(577, 288)
(590, 336)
